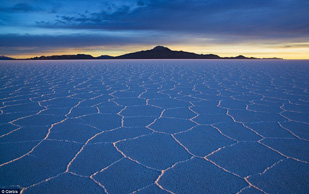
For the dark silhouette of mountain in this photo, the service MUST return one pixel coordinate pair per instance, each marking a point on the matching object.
(158, 52)
(276, 58)
(161, 52)
(105, 57)
(5, 58)
(63, 57)
(240, 57)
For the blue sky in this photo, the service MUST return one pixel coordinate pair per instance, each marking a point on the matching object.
(228, 27)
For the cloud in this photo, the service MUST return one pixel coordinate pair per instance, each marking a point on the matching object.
(152, 22)
(24, 7)
(20, 8)
(264, 18)
(248, 18)
(82, 40)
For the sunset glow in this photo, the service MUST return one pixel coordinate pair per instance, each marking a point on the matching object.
(252, 28)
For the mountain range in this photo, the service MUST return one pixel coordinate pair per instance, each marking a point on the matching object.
(5, 58)
(158, 52)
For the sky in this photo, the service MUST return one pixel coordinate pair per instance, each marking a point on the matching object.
(254, 28)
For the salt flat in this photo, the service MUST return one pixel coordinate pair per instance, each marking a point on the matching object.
(154, 126)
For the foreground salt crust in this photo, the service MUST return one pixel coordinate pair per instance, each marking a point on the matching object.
(154, 126)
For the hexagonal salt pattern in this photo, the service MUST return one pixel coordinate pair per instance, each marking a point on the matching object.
(154, 126)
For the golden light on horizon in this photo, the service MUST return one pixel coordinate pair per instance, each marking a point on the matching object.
(248, 50)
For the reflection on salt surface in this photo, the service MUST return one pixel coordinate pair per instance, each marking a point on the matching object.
(177, 126)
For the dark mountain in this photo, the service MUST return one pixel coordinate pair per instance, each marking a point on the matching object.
(63, 57)
(104, 57)
(161, 52)
(158, 52)
(5, 58)
(240, 57)
(276, 58)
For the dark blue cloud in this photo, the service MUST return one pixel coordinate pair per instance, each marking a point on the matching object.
(23, 7)
(223, 20)
(77, 40)
(239, 17)
(83, 40)
(19, 8)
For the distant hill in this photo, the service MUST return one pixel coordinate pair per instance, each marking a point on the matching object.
(158, 52)
(161, 52)
(105, 57)
(276, 58)
(240, 57)
(63, 57)
(5, 58)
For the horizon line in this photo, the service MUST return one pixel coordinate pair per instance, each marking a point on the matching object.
(28, 57)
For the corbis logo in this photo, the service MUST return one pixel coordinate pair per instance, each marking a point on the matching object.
(9, 191)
